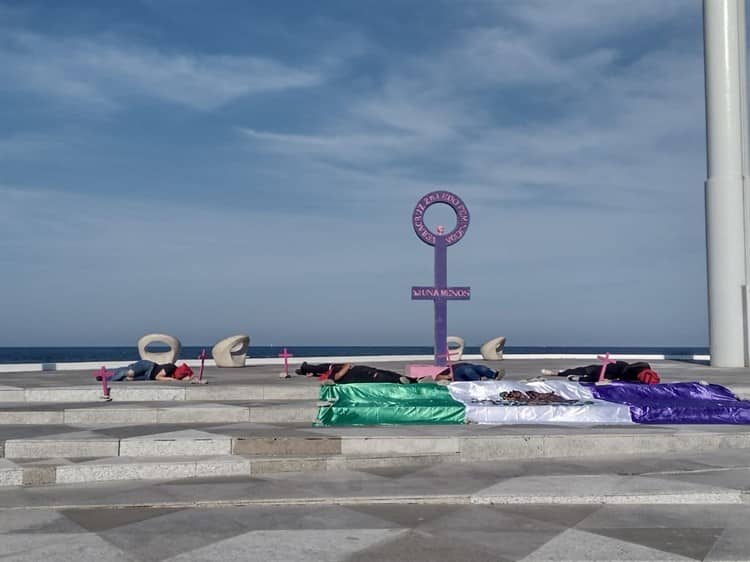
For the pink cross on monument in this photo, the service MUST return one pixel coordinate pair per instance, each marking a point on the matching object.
(605, 359)
(286, 355)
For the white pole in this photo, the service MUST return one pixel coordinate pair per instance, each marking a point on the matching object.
(742, 56)
(725, 236)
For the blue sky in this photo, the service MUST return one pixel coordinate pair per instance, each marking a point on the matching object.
(207, 168)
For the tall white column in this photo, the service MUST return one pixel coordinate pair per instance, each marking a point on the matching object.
(742, 55)
(725, 229)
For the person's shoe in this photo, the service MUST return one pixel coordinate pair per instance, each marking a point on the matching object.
(404, 380)
(427, 380)
(549, 373)
(499, 375)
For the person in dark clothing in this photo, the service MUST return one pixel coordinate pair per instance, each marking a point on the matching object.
(617, 371)
(346, 373)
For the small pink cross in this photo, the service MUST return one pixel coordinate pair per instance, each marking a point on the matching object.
(605, 359)
(286, 355)
(202, 357)
(104, 374)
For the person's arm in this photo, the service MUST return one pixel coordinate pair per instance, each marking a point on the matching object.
(342, 371)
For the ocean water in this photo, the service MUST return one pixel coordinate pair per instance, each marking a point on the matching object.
(79, 354)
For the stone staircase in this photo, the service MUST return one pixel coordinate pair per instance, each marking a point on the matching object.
(56, 429)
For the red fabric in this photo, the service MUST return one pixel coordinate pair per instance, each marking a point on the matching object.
(648, 376)
(183, 372)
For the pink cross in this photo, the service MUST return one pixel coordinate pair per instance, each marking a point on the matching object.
(605, 361)
(202, 357)
(286, 355)
(105, 375)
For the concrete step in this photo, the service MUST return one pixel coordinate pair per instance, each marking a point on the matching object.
(140, 413)
(449, 444)
(111, 469)
(148, 392)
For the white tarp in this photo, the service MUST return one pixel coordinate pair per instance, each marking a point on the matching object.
(478, 398)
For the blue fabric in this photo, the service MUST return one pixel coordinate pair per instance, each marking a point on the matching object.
(142, 370)
(684, 402)
(472, 372)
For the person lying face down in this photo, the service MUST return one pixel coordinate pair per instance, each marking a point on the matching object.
(469, 372)
(346, 373)
(617, 371)
(144, 370)
(343, 373)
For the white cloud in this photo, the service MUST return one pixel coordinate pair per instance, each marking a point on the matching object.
(104, 72)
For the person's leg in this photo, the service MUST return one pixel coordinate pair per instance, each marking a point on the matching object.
(589, 373)
(365, 374)
(465, 372)
(483, 371)
(308, 369)
(120, 374)
(142, 369)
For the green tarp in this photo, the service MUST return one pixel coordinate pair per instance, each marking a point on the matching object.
(386, 403)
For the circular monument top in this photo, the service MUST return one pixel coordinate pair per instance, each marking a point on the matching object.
(433, 238)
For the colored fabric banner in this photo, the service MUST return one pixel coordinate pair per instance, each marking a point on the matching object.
(507, 402)
(385, 403)
(684, 402)
(484, 404)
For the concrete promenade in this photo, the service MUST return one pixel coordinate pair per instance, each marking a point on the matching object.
(235, 469)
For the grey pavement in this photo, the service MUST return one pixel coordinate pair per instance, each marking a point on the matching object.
(666, 507)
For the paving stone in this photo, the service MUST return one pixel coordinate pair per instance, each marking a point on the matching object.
(10, 473)
(60, 447)
(125, 469)
(287, 446)
(372, 446)
(203, 413)
(188, 442)
(96, 416)
(31, 417)
(11, 394)
(288, 413)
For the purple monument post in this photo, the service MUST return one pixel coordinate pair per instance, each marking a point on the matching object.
(440, 293)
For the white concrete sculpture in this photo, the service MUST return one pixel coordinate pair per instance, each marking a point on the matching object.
(159, 356)
(231, 351)
(493, 350)
(455, 352)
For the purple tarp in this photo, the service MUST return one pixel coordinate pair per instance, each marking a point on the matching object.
(682, 402)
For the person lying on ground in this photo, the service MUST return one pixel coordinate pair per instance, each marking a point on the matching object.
(470, 372)
(346, 373)
(144, 370)
(617, 371)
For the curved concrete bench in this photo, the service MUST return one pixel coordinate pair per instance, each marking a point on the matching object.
(493, 350)
(231, 351)
(159, 356)
(457, 352)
